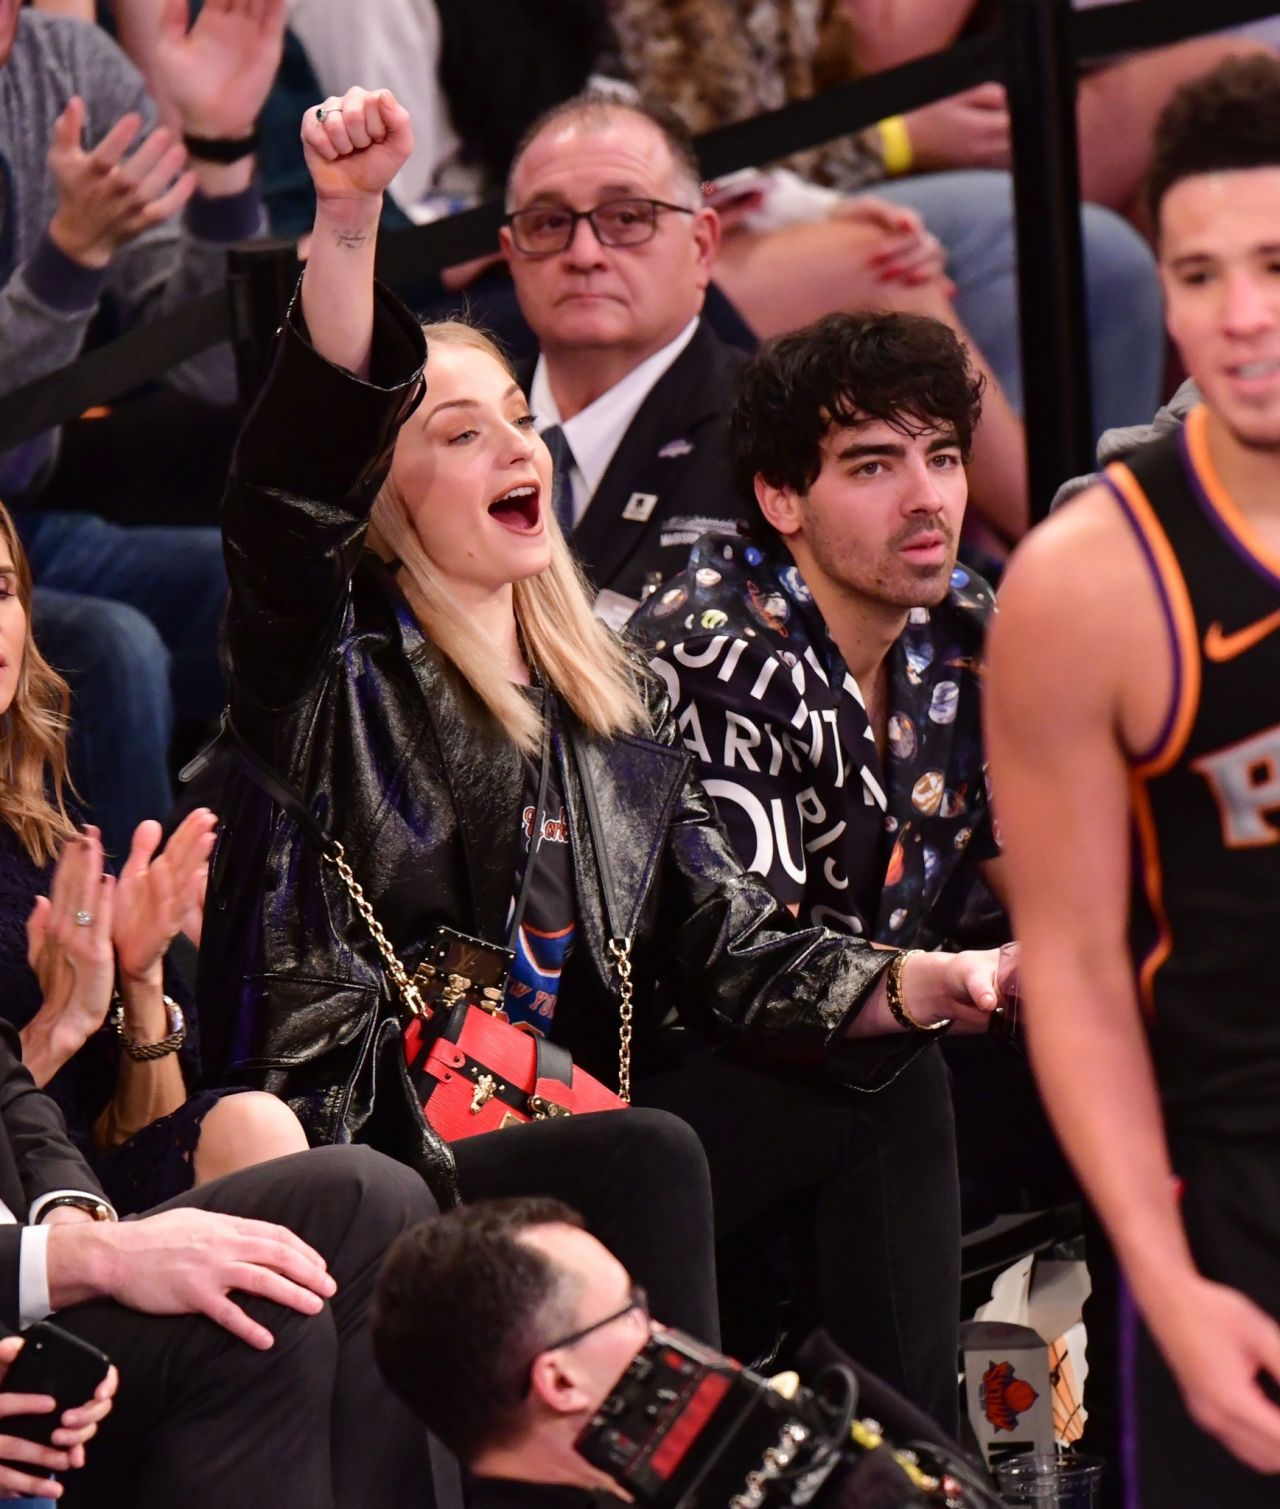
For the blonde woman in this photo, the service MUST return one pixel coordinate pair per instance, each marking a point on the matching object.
(82, 953)
(435, 702)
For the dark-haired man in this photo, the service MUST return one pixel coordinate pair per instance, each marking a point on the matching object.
(1135, 734)
(823, 668)
(531, 1325)
(533, 1322)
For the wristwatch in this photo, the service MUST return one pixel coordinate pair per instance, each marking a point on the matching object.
(98, 1209)
(142, 1052)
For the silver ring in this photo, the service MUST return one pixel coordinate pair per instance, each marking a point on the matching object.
(83, 919)
(321, 112)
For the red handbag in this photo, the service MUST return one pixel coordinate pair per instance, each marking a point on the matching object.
(474, 1070)
(481, 1074)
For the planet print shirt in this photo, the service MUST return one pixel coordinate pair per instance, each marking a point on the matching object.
(881, 848)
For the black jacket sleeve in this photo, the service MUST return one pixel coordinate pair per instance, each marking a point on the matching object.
(789, 990)
(36, 1156)
(295, 515)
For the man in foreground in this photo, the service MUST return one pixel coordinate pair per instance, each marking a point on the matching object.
(236, 1316)
(1134, 733)
(536, 1321)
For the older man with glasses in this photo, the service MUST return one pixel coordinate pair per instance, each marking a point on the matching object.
(611, 248)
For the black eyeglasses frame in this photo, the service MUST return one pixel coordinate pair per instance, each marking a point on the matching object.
(512, 217)
(637, 1299)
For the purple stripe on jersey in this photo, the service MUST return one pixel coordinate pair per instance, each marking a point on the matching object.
(1166, 607)
(1127, 1383)
(1201, 495)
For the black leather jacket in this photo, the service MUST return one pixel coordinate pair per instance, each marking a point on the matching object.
(335, 687)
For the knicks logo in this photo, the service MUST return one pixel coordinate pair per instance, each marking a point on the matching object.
(1005, 1396)
(1245, 781)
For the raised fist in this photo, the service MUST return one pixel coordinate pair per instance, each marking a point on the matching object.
(355, 146)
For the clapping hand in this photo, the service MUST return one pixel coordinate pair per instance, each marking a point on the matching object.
(355, 146)
(105, 199)
(219, 72)
(157, 894)
(78, 1425)
(69, 943)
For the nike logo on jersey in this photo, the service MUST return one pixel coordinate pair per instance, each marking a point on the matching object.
(1221, 646)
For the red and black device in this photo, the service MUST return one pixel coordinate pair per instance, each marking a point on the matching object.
(688, 1428)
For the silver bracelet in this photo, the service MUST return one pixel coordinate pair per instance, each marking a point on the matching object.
(144, 1052)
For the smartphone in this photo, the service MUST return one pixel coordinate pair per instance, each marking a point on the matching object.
(52, 1361)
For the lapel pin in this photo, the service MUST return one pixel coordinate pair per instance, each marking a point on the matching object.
(639, 507)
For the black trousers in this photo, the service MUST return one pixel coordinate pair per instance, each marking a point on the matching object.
(877, 1173)
(203, 1420)
(1231, 1210)
(638, 1178)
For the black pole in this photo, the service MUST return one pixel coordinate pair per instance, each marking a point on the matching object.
(1055, 356)
(261, 276)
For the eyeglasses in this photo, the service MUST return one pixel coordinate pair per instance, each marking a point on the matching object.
(637, 1300)
(547, 229)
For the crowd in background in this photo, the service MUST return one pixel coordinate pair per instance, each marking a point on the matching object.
(140, 139)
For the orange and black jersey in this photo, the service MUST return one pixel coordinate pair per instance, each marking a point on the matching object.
(1205, 911)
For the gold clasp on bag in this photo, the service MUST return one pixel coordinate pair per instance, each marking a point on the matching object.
(542, 1109)
(455, 987)
(486, 1089)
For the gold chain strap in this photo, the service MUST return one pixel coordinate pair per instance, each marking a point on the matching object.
(620, 953)
(408, 990)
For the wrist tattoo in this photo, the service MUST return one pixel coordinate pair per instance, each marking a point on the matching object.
(350, 239)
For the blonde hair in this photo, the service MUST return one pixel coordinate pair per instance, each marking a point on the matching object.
(573, 653)
(33, 735)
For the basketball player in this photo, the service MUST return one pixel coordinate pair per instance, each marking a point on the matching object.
(1133, 708)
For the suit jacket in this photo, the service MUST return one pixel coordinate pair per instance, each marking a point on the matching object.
(669, 479)
(36, 1156)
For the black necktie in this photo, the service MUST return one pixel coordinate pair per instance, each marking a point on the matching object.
(562, 484)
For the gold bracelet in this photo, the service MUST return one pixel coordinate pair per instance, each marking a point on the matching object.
(894, 998)
(895, 146)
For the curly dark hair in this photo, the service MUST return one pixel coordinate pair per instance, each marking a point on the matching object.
(461, 1310)
(908, 370)
(1227, 119)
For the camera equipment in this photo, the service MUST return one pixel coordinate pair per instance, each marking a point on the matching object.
(688, 1428)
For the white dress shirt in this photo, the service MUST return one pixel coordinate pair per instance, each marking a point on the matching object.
(33, 1256)
(596, 432)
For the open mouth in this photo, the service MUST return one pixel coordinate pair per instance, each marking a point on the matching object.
(1256, 371)
(518, 508)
